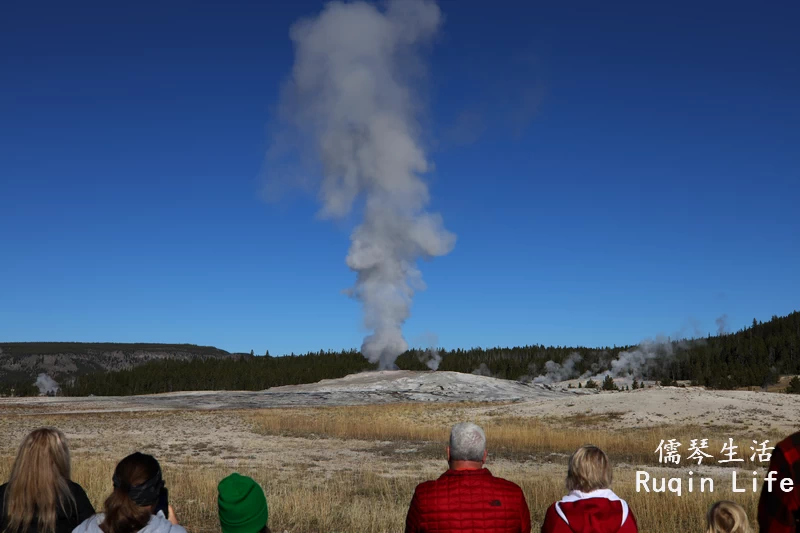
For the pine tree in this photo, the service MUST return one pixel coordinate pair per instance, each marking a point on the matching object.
(608, 383)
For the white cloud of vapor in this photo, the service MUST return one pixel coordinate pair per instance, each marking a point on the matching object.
(46, 384)
(350, 100)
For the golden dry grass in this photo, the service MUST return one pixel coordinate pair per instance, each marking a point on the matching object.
(506, 435)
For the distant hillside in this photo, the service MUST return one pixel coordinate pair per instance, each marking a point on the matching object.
(22, 362)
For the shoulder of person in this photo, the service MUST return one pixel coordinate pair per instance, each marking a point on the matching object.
(90, 525)
(75, 488)
(427, 486)
(159, 524)
(506, 484)
(551, 509)
(630, 523)
(551, 513)
(552, 522)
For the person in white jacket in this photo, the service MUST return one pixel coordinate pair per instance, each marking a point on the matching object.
(138, 502)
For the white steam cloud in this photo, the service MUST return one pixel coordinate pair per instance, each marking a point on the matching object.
(483, 370)
(430, 353)
(46, 384)
(432, 358)
(350, 100)
(634, 363)
(637, 361)
(563, 371)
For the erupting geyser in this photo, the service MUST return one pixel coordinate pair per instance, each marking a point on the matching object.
(350, 105)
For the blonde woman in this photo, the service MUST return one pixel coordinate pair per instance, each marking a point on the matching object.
(40, 497)
(727, 517)
(590, 505)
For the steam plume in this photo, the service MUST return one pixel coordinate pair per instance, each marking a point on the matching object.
(46, 384)
(722, 324)
(637, 361)
(561, 372)
(351, 97)
(429, 354)
(483, 370)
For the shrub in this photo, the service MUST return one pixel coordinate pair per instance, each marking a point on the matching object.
(794, 386)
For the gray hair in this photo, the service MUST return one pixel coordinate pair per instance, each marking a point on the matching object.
(467, 442)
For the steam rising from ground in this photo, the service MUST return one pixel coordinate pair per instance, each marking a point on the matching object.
(634, 363)
(483, 370)
(351, 98)
(429, 354)
(561, 372)
(46, 384)
(722, 324)
(637, 361)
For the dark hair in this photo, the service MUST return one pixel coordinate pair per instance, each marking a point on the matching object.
(136, 472)
(265, 529)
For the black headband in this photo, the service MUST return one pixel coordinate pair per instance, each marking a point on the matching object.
(145, 494)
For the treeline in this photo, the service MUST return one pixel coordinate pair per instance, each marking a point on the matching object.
(19, 386)
(754, 356)
(519, 362)
(243, 373)
(21, 349)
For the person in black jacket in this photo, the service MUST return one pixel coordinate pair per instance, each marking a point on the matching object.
(39, 496)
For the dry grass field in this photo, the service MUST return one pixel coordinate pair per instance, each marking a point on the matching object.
(354, 468)
(514, 437)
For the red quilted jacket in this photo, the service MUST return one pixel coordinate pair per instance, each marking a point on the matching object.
(468, 501)
(599, 511)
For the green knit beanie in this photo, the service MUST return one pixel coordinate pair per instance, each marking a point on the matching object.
(242, 505)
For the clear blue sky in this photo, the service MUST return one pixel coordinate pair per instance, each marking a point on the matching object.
(613, 171)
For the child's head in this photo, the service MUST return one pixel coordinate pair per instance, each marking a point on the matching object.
(589, 469)
(242, 505)
(727, 517)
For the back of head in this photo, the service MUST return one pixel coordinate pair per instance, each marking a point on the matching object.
(727, 517)
(589, 470)
(137, 485)
(467, 442)
(242, 505)
(39, 482)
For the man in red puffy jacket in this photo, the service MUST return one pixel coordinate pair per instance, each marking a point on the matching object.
(468, 498)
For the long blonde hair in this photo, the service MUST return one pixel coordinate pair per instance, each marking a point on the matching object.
(727, 517)
(39, 482)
